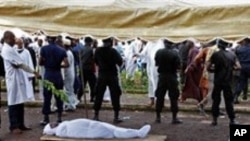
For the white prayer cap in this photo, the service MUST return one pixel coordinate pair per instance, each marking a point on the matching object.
(66, 42)
(99, 43)
(235, 44)
(120, 43)
(48, 130)
(82, 41)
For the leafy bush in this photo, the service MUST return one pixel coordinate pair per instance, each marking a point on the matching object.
(138, 84)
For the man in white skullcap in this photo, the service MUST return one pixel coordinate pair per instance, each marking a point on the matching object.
(69, 77)
(86, 128)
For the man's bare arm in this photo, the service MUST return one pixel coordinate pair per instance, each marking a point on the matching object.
(65, 63)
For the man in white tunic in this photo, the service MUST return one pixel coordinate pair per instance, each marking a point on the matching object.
(69, 77)
(86, 128)
(149, 52)
(16, 83)
(25, 55)
(131, 63)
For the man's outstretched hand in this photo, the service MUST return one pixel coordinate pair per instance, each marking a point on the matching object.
(37, 75)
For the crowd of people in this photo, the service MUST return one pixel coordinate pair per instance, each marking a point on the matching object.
(70, 63)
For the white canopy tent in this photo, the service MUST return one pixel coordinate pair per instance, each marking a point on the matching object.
(151, 19)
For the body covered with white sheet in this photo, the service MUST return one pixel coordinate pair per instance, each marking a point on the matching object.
(86, 128)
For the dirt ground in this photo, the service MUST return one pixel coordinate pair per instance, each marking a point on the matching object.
(194, 127)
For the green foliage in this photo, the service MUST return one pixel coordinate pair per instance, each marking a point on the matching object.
(138, 84)
(59, 93)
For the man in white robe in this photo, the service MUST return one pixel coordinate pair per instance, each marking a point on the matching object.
(149, 52)
(131, 63)
(86, 128)
(16, 83)
(39, 41)
(69, 77)
(25, 55)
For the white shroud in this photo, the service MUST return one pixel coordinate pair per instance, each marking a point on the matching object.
(86, 128)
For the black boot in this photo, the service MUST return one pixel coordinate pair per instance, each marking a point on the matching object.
(244, 96)
(96, 116)
(214, 122)
(59, 118)
(45, 120)
(116, 118)
(158, 117)
(233, 122)
(175, 120)
(92, 100)
(236, 100)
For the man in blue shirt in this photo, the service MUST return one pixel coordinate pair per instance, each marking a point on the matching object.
(88, 68)
(243, 54)
(77, 46)
(53, 58)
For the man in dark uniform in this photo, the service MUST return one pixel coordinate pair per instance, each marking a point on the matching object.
(53, 58)
(242, 53)
(88, 68)
(168, 61)
(222, 63)
(108, 59)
